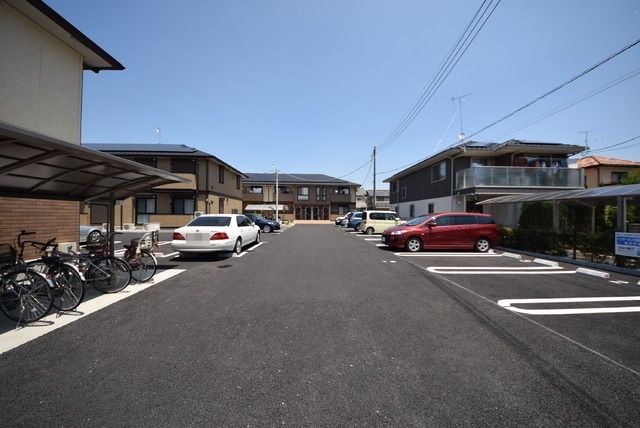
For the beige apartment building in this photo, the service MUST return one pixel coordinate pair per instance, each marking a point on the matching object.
(42, 60)
(212, 186)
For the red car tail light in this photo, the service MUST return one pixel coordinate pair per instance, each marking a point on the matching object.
(178, 236)
(218, 235)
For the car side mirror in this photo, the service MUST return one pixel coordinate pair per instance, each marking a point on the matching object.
(430, 224)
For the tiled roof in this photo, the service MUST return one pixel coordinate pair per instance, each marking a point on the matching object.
(284, 178)
(591, 161)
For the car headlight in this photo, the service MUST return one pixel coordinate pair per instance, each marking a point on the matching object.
(397, 232)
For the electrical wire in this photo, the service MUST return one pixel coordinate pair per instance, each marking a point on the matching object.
(557, 88)
(615, 145)
(575, 101)
(464, 41)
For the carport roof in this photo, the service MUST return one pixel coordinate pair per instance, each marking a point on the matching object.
(36, 166)
(597, 193)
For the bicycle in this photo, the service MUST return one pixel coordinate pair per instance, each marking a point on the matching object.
(104, 272)
(139, 255)
(25, 295)
(67, 283)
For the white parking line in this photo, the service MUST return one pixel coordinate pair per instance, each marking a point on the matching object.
(506, 303)
(175, 253)
(254, 247)
(468, 270)
(488, 254)
(372, 239)
(14, 338)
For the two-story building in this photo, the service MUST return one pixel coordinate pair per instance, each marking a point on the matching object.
(458, 177)
(606, 171)
(45, 172)
(378, 200)
(300, 196)
(211, 186)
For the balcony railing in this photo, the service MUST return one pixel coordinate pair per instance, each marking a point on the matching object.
(508, 176)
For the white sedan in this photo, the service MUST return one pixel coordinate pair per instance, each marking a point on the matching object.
(210, 233)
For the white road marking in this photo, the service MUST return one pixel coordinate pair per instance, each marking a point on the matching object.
(506, 303)
(175, 253)
(619, 282)
(23, 334)
(255, 246)
(381, 245)
(372, 239)
(468, 270)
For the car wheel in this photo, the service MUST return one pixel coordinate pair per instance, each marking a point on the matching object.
(257, 241)
(413, 244)
(94, 236)
(266, 228)
(369, 230)
(238, 247)
(357, 228)
(482, 245)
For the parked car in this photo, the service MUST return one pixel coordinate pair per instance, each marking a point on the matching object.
(265, 225)
(339, 219)
(454, 230)
(355, 220)
(345, 220)
(378, 221)
(210, 233)
(89, 232)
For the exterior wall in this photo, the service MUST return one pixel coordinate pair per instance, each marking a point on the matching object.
(440, 205)
(601, 175)
(40, 79)
(48, 218)
(228, 189)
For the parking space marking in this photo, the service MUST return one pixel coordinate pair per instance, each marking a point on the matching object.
(23, 334)
(254, 247)
(372, 239)
(488, 254)
(175, 253)
(466, 270)
(506, 303)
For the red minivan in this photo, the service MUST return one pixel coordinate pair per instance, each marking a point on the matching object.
(453, 230)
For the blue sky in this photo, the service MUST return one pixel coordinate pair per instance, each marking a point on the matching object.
(311, 87)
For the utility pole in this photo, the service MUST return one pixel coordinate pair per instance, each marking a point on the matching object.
(277, 211)
(374, 178)
(453, 99)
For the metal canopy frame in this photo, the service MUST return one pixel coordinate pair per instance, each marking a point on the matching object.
(37, 166)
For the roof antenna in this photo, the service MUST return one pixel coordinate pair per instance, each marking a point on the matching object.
(159, 134)
(461, 135)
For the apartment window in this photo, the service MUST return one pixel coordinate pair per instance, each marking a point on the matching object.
(321, 193)
(430, 209)
(221, 206)
(183, 205)
(303, 193)
(185, 166)
(341, 191)
(412, 211)
(395, 186)
(145, 206)
(617, 177)
(221, 174)
(439, 171)
(152, 162)
(284, 190)
(253, 189)
(238, 181)
(403, 192)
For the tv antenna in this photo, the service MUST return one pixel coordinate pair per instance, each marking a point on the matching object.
(461, 135)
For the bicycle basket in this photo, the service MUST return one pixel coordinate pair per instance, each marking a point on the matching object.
(95, 242)
(7, 255)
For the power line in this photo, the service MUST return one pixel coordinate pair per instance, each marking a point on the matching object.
(457, 51)
(557, 88)
(575, 101)
(615, 145)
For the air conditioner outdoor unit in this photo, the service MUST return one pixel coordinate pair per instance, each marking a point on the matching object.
(197, 213)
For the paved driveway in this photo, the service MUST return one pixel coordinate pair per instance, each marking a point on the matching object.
(318, 327)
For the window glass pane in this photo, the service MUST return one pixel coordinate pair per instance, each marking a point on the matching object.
(186, 166)
(210, 221)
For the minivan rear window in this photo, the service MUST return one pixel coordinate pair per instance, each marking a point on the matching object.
(484, 219)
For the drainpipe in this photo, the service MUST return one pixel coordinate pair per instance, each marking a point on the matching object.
(206, 204)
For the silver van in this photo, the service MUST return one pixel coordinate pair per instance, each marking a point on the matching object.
(378, 221)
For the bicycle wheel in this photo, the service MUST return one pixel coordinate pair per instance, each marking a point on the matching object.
(143, 268)
(68, 289)
(25, 296)
(109, 274)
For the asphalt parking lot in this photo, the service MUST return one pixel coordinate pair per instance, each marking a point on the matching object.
(321, 327)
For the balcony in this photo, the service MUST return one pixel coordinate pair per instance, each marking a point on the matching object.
(339, 198)
(522, 177)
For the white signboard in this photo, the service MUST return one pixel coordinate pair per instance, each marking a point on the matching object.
(628, 244)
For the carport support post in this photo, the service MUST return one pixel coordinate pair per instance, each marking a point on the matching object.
(621, 223)
(111, 216)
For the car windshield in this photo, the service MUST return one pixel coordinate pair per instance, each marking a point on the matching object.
(416, 221)
(259, 217)
(210, 221)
